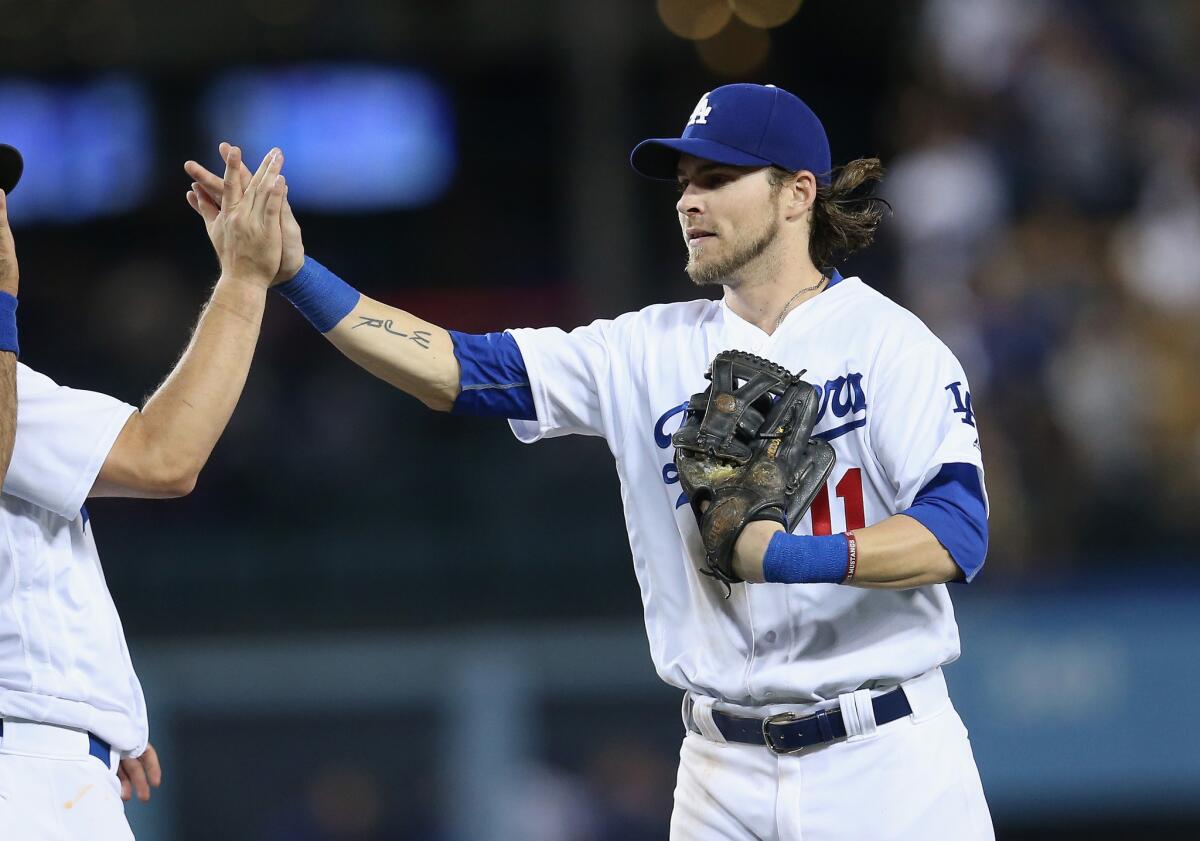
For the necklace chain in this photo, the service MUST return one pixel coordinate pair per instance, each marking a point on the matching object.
(792, 299)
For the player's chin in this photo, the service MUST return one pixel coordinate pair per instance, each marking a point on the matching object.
(702, 275)
(701, 271)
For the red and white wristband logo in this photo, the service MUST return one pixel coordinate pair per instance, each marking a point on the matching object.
(852, 557)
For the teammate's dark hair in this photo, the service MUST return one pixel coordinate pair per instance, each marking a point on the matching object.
(842, 222)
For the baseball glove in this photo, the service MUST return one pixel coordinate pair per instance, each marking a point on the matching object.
(745, 452)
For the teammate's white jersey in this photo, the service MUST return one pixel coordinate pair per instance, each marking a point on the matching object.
(895, 406)
(63, 658)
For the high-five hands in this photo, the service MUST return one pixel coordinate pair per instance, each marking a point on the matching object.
(244, 226)
(207, 197)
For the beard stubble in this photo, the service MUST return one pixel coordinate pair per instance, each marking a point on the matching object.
(723, 271)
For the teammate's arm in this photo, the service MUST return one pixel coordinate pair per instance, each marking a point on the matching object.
(162, 448)
(411, 354)
(9, 276)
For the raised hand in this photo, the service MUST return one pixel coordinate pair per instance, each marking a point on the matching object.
(245, 227)
(207, 195)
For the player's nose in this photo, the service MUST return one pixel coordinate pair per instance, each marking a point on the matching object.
(688, 203)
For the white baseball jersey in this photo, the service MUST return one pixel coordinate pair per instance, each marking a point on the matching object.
(63, 658)
(895, 406)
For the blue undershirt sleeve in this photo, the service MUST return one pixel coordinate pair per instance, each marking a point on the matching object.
(951, 506)
(494, 380)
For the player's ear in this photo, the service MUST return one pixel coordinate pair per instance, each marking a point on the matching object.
(805, 191)
(800, 191)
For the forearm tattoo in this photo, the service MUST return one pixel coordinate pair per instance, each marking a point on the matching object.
(419, 337)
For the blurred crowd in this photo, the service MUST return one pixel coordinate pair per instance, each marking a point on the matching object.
(1046, 186)
(622, 793)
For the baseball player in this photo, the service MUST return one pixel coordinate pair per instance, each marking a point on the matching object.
(808, 643)
(73, 727)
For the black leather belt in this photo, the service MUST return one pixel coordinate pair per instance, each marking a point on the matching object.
(789, 733)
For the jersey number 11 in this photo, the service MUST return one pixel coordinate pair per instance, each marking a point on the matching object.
(849, 489)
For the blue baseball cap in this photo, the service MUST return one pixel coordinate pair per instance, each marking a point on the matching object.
(743, 125)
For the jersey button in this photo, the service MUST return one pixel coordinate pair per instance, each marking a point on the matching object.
(769, 636)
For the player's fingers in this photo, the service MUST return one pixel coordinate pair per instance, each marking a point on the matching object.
(191, 200)
(137, 778)
(261, 172)
(272, 207)
(244, 173)
(225, 148)
(126, 790)
(210, 181)
(3, 211)
(205, 195)
(264, 180)
(230, 195)
(203, 203)
(153, 769)
(252, 187)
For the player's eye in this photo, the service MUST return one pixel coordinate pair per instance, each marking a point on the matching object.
(680, 186)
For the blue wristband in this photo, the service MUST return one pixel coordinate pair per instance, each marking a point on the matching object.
(321, 296)
(8, 323)
(801, 559)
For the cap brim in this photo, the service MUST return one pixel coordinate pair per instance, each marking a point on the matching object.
(659, 157)
(11, 167)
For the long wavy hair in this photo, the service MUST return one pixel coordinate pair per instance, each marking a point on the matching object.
(843, 219)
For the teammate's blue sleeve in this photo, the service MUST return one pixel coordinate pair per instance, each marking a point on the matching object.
(494, 381)
(951, 506)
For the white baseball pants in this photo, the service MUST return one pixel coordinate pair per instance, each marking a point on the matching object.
(913, 779)
(52, 789)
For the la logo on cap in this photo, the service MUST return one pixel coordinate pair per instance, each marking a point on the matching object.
(701, 112)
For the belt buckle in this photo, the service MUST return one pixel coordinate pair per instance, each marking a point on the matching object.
(778, 718)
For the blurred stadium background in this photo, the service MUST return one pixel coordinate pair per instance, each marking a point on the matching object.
(370, 622)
